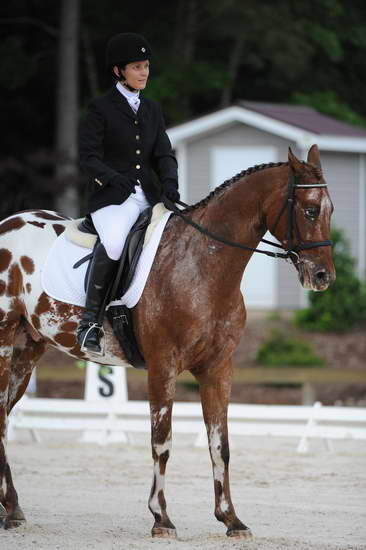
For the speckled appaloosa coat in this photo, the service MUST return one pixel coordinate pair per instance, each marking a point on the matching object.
(190, 316)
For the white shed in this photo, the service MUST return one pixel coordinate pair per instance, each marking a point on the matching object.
(216, 146)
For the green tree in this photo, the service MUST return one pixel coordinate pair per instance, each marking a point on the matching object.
(280, 350)
(207, 54)
(329, 103)
(343, 305)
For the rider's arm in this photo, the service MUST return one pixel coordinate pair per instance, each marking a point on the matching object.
(164, 161)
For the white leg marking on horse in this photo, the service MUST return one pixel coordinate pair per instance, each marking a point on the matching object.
(215, 448)
(162, 448)
(158, 416)
(224, 506)
(218, 464)
(158, 478)
(159, 485)
(162, 413)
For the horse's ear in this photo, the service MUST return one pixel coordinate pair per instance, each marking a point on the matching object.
(294, 162)
(314, 156)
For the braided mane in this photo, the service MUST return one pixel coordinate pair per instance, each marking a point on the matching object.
(229, 182)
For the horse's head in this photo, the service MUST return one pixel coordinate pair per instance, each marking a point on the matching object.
(299, 217)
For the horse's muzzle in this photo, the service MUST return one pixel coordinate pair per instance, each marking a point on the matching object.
(315, 277)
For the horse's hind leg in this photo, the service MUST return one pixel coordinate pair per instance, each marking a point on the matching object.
(215, 386)
(21, 370)
(161, 392)
(7, 335)
(23, 365)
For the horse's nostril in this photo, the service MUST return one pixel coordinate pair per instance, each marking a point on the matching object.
(321, 275)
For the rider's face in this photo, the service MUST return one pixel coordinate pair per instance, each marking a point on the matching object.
(136, 74)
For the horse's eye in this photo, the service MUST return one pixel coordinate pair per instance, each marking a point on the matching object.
(311, 212)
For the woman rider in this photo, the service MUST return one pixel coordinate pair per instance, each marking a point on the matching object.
(122, 140)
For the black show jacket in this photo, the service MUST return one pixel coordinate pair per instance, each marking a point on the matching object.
(119, 147)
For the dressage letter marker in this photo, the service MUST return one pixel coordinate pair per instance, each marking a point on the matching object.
(108, 384)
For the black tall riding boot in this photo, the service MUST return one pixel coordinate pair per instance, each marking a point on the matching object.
(101, 273)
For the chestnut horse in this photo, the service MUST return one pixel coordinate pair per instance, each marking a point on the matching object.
(191, 314)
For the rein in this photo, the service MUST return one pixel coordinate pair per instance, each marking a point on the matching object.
(291, 225)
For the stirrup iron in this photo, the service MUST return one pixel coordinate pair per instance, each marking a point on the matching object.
(102, 347)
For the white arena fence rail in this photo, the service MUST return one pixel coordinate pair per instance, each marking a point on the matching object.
(105, 422)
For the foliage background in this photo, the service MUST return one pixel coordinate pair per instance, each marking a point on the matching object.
(207, 54)
(343, 306)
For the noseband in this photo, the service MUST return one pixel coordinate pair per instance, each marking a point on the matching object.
(292, 251)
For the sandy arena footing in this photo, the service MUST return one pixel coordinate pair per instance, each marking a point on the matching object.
(90, 497)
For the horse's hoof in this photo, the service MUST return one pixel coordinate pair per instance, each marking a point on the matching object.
(13, 523)
(163, 533)
(15, 519)
(239, 533)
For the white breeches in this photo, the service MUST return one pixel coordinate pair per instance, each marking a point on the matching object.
(114, 222)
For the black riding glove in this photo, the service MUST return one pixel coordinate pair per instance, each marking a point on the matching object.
(125, 183)
(129, 184)
(172, 194)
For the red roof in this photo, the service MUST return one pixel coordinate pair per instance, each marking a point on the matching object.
(304, 117)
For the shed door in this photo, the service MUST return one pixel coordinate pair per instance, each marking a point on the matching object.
(259, 281)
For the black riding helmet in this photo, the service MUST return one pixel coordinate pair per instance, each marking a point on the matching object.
(124, 48)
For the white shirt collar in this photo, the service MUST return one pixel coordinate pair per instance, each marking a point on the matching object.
(127, 93)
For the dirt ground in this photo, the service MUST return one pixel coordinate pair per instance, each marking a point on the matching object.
(90, 497)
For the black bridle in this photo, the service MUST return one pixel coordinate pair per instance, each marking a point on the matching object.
(288, 206)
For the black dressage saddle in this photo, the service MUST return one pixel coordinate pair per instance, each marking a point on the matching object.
(120, 316)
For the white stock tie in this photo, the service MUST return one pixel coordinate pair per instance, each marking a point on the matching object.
(132, 97)
(134, 103)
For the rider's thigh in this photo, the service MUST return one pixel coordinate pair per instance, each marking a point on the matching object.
(113, 224)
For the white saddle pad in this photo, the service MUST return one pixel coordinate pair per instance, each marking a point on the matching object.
(62, 282)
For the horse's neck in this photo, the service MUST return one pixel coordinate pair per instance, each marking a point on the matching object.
(236, 215)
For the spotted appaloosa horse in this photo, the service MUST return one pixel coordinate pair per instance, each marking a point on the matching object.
(190, 316)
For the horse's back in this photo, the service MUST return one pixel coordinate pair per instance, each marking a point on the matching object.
(35, 225)
(25, 239)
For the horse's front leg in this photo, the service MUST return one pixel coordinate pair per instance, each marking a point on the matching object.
(215, 387)
(161, 393)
